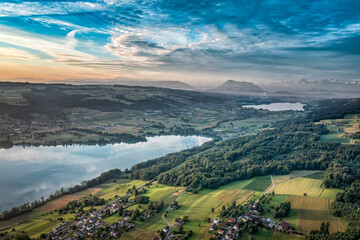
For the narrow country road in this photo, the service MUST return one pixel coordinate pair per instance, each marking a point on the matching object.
(163, 216)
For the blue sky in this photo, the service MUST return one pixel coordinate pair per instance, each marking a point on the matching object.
(192, 41)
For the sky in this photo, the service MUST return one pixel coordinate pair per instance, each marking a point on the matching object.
(196, 42)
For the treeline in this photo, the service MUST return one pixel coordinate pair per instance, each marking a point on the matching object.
(150, 169)
(27, 207)
(6, 144)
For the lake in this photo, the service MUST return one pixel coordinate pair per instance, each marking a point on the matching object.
(27, 173)
(281, 106)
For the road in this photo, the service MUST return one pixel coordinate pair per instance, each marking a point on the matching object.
(163, 216)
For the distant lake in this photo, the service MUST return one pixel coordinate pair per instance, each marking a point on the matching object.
(27, 173)
(281, 106)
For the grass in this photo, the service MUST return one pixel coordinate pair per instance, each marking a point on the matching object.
(293, 174)
(299, 186)
(330, 193)
(112, 219)
(259, 184)
(139, 234)
(312, 212)
(153, 223)
(317, 175)
(237, 184)
(282, 236)
(262, 234)
(158, 192)
(112, 189)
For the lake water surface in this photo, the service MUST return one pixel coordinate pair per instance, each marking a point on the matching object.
(27, 173)
(281, 106)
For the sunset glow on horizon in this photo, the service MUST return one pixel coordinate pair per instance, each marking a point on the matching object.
(192, 41)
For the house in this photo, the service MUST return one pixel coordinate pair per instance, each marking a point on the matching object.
(220, 232)
(90, 227)
(216, 221)
(212, 227)
(232, 220)
(236, 227)
(285, 226)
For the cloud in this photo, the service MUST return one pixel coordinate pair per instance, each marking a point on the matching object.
(9, 9)
(235, 37)
(14, 53)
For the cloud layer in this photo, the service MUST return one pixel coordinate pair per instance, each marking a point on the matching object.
(249, 39)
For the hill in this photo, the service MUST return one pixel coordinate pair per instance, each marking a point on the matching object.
(235, 87)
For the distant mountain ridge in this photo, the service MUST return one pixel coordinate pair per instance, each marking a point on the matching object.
(235, 86)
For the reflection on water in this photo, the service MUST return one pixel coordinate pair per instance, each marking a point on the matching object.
(28, 173)
(282, 106)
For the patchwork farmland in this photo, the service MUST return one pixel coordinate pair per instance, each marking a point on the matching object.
(312, 212)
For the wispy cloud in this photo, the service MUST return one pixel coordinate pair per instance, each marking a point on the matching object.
(256, 39)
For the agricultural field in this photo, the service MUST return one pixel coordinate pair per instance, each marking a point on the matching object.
(299, 186)
(259, 184)
(312, 212)
(110, 190)
(342, 130)
(159, 192)
(280, 178)
(62, 201)
(198, 206)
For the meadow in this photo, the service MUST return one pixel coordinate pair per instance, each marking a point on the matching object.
(312, 212)
(299, 186)
(280, 178)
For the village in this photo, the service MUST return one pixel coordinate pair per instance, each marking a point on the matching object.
(233, 228)
(92, 225)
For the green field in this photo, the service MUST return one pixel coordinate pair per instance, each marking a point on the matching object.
(299, 186)
(118, 188)
(330, 193)
(297, 173)
(259, 184)
(158, 192)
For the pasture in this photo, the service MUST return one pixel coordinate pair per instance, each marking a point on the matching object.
(120, 187)
(297, 173)
(299, 186)
(158, 192)
(138, 234)
(312, 212)
(259, 184)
